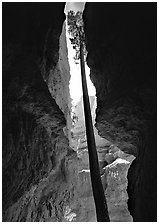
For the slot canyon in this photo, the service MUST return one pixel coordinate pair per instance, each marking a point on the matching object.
(45, 166)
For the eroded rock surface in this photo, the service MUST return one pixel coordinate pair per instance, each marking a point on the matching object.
(113, 164)
(58, 82)
(40, 176)
(39, 167)
(121, 44)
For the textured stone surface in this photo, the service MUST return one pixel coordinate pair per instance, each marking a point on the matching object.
(113, 164)
(58, 82)
(116, 194)
(40, 176)
(39, 168)
(121, 44)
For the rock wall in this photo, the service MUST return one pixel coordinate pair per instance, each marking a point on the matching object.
(121, 45)
(58, 82)
(39, 167)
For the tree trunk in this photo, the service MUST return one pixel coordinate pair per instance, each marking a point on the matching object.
(98, 192)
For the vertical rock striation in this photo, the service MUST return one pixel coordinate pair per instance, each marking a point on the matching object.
(39, 167)
(58, 81)
(121, 45)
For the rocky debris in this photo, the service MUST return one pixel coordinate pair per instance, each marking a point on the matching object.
(113, 165)
(116, 190)
(85, 187)
(121, 44)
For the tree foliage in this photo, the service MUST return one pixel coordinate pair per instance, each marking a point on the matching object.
(76, 31)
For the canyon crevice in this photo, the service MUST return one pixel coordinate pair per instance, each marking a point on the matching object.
(43, 176)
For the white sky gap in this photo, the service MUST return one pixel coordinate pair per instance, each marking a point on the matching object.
(75, 71)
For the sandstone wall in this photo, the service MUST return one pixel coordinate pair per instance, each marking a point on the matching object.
(121, 45)
(39, 167)
(58, 81)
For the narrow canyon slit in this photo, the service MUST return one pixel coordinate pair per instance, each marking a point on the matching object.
(45, 160)
(113, 163)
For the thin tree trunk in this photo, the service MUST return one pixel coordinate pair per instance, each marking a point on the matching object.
(98, 192)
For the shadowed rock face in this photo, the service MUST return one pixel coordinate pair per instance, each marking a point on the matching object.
(121, 44)
(39, 167)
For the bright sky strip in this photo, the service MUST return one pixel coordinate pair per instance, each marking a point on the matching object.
(75, 81)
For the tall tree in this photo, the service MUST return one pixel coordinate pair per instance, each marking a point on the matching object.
(76, 30)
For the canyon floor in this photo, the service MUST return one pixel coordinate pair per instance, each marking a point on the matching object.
(113, 165)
